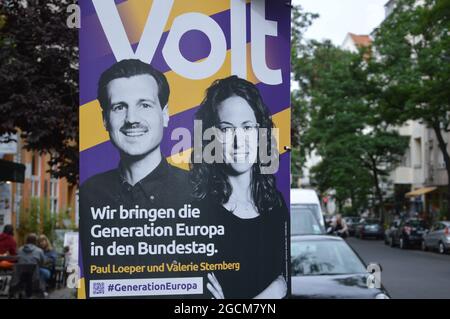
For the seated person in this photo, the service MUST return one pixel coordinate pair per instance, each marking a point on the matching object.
(31, 254)
(48, 269)
(340, 226)
(8, 246)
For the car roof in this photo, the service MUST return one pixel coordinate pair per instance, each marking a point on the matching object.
(299, 238)
(304, 196)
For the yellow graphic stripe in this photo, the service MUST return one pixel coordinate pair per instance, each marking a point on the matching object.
(281, 120)
(185, 95)
(134, 13)
(181, 160)
(92, 131)
(81, 292)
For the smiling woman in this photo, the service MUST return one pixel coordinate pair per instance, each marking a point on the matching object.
(237, 194)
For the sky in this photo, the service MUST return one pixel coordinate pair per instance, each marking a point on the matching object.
(338, 17)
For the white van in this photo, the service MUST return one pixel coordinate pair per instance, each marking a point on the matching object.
(306, 213)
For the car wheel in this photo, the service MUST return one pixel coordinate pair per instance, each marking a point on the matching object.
(424, 246)
(441, 248)
(402, 243)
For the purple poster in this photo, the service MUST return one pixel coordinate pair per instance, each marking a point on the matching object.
(184, 125)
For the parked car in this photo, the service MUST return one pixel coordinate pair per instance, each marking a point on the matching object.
(369, 228)
(390, 230)
(307, 199)
(409, 233)
(325, 267)
(352, 223)
(438, 238)
(304, 221)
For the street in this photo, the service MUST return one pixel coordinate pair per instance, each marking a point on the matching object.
(409, 273)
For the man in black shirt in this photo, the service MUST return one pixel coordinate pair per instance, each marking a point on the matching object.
(134, 100)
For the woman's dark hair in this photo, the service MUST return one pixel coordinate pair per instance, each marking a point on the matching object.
(211, 180)
(8, 229)
(128, 69)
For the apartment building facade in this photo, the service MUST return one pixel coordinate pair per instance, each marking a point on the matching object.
(420, 181)
(57, 196)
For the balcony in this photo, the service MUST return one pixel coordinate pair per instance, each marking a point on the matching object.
(403, 175)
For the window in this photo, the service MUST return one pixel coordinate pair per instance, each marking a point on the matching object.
(33, 164)
(441, 162)
(406, 159)
(35, 175)
(327, 257)
(417, 152)
(54, 183)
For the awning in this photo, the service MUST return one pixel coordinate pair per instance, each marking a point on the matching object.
(12, 172)
(420, 191)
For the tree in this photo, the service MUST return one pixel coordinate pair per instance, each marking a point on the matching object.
(357, 147)
(301, 21)
(39, 76)
(413, 68)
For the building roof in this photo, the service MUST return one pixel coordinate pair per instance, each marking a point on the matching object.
(361, 40)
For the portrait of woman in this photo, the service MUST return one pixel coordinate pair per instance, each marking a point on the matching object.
(237, 194)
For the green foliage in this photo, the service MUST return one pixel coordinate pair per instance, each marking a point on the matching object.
(412, 70)
(39, 219)
(39, 80)
(357, 148)
(301, 20)
(348, 104)
(48, 223)
(29, 220)
(349, 211)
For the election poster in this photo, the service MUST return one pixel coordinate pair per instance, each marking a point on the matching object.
(184, 139)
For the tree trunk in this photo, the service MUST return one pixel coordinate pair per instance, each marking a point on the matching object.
(340, 206)
(378, 191)
(443, 147)
(352, 199)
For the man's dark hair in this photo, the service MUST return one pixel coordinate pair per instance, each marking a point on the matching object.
(128, 69)
(8, 229)
(31, 239)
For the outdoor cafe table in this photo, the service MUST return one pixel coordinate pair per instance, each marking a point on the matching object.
(8, 258)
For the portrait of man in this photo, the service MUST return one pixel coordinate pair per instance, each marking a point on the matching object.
(134, 100)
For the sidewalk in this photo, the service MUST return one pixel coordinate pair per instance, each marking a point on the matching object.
(64, 293)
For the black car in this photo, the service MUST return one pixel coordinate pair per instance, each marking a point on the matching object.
(370, 228)
(409, 233)
(352, 223)
(393, 226)
(325, 267)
